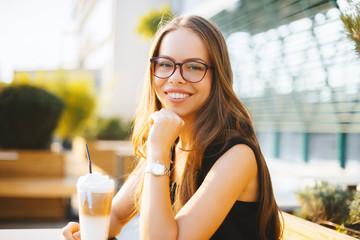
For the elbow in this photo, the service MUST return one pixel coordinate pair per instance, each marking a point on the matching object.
(116, 225)
(163, 234)
(173, 234)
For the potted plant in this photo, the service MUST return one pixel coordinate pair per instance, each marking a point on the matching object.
(331, 205)
(113, 128)
(77, 91)
(28, 117)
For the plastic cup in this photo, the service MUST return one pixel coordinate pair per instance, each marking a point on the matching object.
(95, 193)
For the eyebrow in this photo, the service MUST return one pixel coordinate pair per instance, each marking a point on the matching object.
(187, 59)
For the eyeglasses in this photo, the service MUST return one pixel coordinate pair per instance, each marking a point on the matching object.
(191, 71)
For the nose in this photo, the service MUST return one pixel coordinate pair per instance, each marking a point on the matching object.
(176, 76)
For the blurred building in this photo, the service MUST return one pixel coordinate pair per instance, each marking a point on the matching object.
(108, 43)
(296, 72)
(293, 68)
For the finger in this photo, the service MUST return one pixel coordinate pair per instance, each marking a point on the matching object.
(153, 118)
(69, 230)
(77, 235)
(170, 113)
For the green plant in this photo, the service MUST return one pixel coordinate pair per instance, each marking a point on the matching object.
(80, 103)
(149, 23)
(354, 215)
(325, 201)
(2, 84)
(351, 20)
(113, 129)
(28, 117)
(77, 91)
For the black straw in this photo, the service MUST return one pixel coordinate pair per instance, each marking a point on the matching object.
(88, 157)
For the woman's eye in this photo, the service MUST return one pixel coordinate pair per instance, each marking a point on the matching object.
(165, 64)
(195, 67)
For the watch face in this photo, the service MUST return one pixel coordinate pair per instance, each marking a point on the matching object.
(157, 168)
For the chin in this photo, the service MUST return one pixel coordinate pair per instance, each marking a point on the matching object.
(183, 114)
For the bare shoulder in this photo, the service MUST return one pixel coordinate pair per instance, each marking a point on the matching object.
(237, 170)
(236, 167)
(240, 156)
(233, 177)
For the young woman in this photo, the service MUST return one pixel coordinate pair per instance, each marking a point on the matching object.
(201, 173)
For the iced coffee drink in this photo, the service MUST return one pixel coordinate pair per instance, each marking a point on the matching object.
(95, 192)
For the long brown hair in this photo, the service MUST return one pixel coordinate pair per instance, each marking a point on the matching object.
(232, 119)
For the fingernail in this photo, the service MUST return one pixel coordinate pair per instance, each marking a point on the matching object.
(76, 235)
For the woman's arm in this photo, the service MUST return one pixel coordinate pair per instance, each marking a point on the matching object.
(123, 207)
(157, 220)
(233, 176)
(122, 211)
(228, 180)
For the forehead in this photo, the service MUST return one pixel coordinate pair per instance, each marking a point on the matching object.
(183, 44)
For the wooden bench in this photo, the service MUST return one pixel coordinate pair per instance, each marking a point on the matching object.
(39, 184)
(31, 163)
(36, 198)
(34, 185)
(116, 158)
(38, 187)
(299, 229)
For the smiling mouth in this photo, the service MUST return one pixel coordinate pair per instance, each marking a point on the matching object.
(177, 95)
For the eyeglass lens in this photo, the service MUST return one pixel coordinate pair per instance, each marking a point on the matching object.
(191, 71)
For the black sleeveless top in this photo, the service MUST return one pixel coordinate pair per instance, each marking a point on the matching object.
(241, 222)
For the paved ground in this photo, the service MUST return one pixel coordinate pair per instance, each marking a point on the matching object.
(289, 177)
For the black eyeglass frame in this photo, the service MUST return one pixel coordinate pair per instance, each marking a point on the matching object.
(181, 69)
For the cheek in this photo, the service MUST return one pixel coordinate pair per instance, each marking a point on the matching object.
(157, 86)
(206, 88)
(157, 83)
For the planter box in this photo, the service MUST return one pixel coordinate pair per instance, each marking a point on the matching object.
(116, 158)
(31, 163)
(23, 175)
(33, 208)
(299, 229)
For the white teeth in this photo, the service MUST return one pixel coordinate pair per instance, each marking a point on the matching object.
(177, 95)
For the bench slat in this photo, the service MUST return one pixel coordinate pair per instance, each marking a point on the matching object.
(38, 187)
(299, 229)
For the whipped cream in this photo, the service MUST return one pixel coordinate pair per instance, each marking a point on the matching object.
(93, 183)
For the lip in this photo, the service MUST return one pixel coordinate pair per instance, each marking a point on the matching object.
(177, 100)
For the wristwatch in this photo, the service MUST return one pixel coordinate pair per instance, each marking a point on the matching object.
(157, 169)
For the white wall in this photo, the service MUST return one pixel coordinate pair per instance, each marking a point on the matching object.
(131, 55)
(110, 44)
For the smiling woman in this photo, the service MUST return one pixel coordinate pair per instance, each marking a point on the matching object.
(182, 91)
(201, 173)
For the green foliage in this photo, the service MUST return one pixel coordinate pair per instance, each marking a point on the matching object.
(113, 129)
(354, 217)
(325, 201)
(75, 88)
(80, 103)
(2, 85)
(149, 23)
(28, 117)
(341, 229)
(351, 20)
